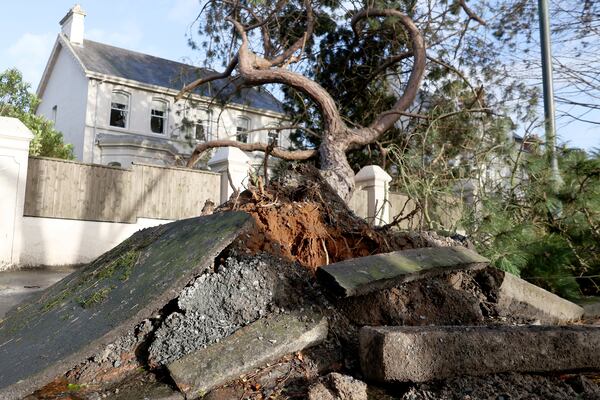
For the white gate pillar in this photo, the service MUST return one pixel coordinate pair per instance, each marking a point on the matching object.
(232, 161)
(375, 181)
(14, 157)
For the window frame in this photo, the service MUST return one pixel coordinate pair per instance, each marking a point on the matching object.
(126, 111)
(242, 131)
(206, 122)
(270, 131)
(164, 117)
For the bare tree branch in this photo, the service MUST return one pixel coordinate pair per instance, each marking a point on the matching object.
(472, 15)
(387, 120)
(209, 78)
(252, 71)
(290, 155)
(301, 42)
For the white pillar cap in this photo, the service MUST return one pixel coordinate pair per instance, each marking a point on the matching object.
(13, 128)
(372, 173)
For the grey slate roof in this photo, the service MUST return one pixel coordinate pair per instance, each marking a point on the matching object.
(122, 63)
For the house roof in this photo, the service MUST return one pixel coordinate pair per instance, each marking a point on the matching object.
(144, 68)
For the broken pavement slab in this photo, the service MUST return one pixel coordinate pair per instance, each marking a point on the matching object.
(517, 297)
(258, 343)
(420, 354)
(86, 311)
(364, 275)
(592, 309)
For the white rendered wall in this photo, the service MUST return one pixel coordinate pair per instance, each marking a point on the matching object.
(14, 149)
(54, 241)
(67, 88)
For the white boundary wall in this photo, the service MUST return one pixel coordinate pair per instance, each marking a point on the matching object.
(56, 241)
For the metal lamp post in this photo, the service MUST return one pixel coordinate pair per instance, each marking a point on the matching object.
(548, 93)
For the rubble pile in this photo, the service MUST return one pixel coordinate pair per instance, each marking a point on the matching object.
(294, 298)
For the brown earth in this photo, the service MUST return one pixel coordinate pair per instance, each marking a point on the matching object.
(300, 218)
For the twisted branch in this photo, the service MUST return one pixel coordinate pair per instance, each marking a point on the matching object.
(387, 119)
(290, 155)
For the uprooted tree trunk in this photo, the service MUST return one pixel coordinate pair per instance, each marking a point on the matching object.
(337, 138)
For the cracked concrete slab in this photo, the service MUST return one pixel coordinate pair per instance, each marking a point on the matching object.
(519, 297)
(62, 325)
(263, 341)
(420, 354)
(359, 276)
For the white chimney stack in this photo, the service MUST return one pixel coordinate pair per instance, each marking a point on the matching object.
(72, 24)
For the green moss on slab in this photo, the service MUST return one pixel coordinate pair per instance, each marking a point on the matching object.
(121, 267)
(57, 300)
(95, 298)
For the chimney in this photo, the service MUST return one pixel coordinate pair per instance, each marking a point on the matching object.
(72, 24)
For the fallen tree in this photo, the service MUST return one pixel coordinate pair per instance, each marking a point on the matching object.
(338, 137)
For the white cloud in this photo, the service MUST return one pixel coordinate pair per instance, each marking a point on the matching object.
(184, 11)
(29, 54)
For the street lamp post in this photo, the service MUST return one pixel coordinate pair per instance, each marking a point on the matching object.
(549, 117)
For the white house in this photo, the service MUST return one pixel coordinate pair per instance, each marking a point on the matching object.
(118, 106)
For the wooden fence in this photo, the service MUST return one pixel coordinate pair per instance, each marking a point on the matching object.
(444, 210)
(359, 203)
(73, 190)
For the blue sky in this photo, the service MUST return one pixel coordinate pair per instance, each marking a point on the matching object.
(156, 27)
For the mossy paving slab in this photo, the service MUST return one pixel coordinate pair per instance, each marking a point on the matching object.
(364, 275)
(250, 347)
(62, 325)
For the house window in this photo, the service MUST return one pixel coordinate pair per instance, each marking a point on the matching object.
(242, 127)
(119, 109)
(54, 113)
(203, 127)
(158, 116)
(273, 137)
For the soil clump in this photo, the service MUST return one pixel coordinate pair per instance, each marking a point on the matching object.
(300, 218)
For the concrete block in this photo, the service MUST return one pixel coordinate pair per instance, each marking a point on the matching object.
(517, 297)
(420, 354)
(263, 341)
(364, 275)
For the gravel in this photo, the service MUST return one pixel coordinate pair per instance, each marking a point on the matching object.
(216, 304)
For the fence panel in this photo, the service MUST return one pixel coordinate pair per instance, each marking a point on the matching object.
(359, 203)
(174, 193)
(401, 203)
(73, 190)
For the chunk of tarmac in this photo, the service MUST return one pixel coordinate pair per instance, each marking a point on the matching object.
(363, 275)
(63, 325)
(420, 354)
(263, 341)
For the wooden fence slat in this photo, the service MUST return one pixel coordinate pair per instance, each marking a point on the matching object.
(72, 190)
